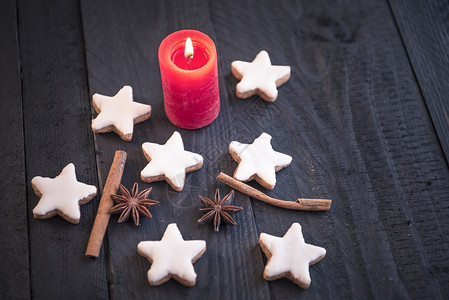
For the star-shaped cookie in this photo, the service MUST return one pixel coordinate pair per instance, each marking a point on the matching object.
(172, 257)
(290, 256)
(259, 77)
(61, 195)
(119, 113)
(258, 161)
(169, 162)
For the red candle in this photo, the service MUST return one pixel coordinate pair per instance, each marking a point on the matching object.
(189, 81)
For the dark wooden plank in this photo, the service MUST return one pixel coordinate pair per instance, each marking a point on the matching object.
(122, 40)
(423, 26)
(353, 119)
(14, 273)
(57, 132)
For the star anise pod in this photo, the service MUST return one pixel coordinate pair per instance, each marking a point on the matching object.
(134, 204)
(219, 210)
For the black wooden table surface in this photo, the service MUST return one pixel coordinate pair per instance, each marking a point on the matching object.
(364, 117)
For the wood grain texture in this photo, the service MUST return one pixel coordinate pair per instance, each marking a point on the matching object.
(354, 121)
(122, 40)
(424, 28)
(57, 132)
(14, 271)
(354, 117)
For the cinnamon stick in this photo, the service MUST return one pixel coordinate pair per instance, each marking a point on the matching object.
(106, 203)
(299, 204)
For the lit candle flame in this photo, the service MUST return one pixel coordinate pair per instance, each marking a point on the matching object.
(188, 51)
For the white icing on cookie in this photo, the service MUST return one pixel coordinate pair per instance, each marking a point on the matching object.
(62, 193)
(259, 75)
(119, 111)
(290, 254)
(172, 255)
(170, 160)
(259, 159)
